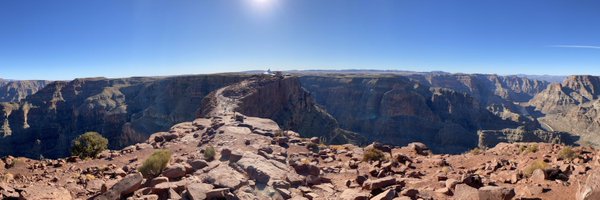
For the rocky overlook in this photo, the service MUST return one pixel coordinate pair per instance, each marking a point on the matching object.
(256, 159)
(291, 137)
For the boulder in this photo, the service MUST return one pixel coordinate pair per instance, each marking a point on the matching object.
(591, 188)
(472, 180)
(163, 137)
(354, 194)
(261, 169)
(158, 180)
(496, 193)
(386, 195)
(174, 171)
(379, 183)
(220, 193)
(127, 185)
(197, 164)
(466, 192)
(46, 192)
(419, 148)
(538, 176)
(225, 177)
(198, 191)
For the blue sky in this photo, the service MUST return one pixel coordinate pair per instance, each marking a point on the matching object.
(118, 38)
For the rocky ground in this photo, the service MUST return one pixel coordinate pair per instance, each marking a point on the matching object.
(257, 160)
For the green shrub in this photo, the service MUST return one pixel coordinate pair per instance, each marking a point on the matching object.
(538, 164)
(567, 153)
(372, 154)
(89, 145)
(209, 153)
(313, 147)
(155, 164)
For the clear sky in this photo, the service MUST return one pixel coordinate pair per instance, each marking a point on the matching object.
(61, 39)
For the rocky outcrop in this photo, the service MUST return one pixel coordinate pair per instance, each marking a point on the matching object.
(281, 99)
(572, 106)
(559, 97)
(15, 91)
(485, 88)
(490, 138)
(123, 110)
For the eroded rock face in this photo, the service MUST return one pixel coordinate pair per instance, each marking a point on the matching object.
(15, 91)
(590, 189)
(123, 110)
(442, 111)
(283, 100)
(573, 107)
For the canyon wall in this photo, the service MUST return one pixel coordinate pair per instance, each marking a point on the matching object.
(123, 110)
(15, 91)
(443, 111)
(572, 106)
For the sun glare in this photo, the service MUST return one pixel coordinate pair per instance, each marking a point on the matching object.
(262, 3)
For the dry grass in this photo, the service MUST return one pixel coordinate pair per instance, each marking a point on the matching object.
(538, 164)
(373, 155)
(567, 153)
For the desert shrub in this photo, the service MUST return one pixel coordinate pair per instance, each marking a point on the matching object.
(89, 145)
(538, 164)
(209, 153)
(528, 149)
(476, 151)
(313, 147)
(338, 147)
(372, 154)
(567, 153)
(279, 133)
(155, 164)
(445, 170)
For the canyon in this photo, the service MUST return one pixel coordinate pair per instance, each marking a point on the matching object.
(264, 157)
(451, 113)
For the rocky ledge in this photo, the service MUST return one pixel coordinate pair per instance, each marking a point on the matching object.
(255, 159)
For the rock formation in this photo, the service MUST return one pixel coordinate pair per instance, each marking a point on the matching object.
(443, 111)
(123, 110)
(15, 91)
(572, 106)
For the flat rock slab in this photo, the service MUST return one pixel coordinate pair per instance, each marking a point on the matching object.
(46, 192)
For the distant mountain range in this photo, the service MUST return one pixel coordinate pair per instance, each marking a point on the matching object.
(548, 78)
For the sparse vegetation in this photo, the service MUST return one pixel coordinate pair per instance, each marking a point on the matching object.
(538, 164)
(476, 151)
(338, 147)
(567, 153)
(279, 133)
(528, 149)
(89, 145)
(155, 164)
(373, 155)
(313, 147)
(445, 170)
(209, 153)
